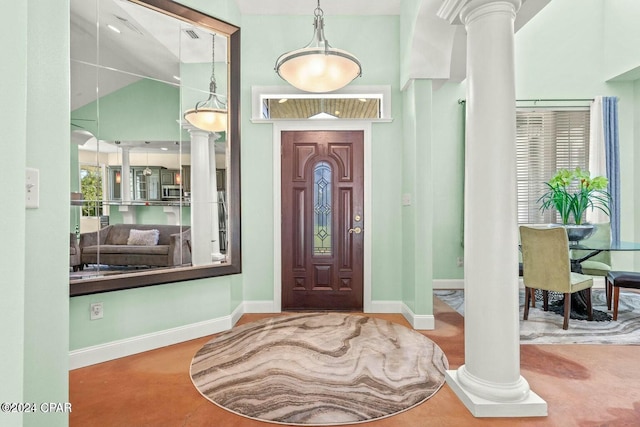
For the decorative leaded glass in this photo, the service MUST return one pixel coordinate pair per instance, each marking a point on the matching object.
(322, 209)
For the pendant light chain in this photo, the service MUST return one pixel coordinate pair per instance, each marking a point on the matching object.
(210, 114)
(213, 85)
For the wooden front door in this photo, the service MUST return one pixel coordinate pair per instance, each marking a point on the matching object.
(322, 220)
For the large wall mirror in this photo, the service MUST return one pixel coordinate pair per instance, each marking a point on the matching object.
(154, 198)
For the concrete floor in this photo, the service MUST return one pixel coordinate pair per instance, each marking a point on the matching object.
(584, 385)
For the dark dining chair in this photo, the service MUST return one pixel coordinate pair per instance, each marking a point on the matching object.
(547, 266)
(616, 280)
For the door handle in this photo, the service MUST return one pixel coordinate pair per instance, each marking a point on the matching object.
(356, 230)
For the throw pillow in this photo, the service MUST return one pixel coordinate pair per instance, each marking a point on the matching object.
(143, 237)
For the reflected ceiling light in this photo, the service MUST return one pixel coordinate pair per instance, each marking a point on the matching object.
(210, 114)
(318, 67)
(113, 28)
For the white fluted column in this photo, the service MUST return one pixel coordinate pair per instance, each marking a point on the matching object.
(128, 212)
(213, 179)
(489, 383)
(205, 245)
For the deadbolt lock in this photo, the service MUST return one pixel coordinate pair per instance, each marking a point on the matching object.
(357, 218)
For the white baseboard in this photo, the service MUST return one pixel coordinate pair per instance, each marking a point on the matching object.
(417, 321)
(126, 347)
(424, 322)
(259, 307)
(385, 307)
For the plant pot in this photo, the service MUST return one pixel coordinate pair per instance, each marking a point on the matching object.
(576, 232)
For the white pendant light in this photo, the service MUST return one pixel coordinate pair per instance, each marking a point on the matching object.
(318, 67)
(210, 114)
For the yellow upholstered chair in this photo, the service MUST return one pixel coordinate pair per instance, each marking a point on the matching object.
(547, 266)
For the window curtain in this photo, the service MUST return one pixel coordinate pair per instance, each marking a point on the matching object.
(612, 150)
(604, 157)
(597, 156)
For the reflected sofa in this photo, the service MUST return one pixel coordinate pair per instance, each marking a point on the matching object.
(74, 252)
(113, 245)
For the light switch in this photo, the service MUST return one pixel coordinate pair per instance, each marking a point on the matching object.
(32, 188)
(406, 199)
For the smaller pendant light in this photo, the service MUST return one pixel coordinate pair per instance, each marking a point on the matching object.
(210, 114)
(318, 67)
(147, 171)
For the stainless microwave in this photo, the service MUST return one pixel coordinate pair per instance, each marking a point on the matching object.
(171, 192)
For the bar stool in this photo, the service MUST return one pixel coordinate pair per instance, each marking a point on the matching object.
(616, 280)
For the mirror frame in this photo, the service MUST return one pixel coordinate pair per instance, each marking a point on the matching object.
(143, 279)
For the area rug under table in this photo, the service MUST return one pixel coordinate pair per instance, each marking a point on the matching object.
(319, 369)
(545, 327)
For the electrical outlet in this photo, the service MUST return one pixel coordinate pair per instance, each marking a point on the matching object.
(96, 311)
(460, 261)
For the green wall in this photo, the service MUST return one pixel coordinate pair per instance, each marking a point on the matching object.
(13, 108)
(146, 110)
(149, 215)
(621, 38)
(34, 307)
(135, 312)
(261, 46)
(448, 178)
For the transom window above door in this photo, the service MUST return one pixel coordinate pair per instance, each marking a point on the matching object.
(351, 103)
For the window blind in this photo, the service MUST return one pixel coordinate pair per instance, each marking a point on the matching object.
(547, 140)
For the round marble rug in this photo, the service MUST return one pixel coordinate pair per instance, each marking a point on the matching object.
(319, 369)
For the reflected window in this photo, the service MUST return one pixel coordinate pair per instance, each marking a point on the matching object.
(322, 209)
(91, 189)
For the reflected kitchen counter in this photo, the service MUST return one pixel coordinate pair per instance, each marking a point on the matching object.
(182, 202)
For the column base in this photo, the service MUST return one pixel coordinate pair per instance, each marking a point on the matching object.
(531, 406)
(217, 257)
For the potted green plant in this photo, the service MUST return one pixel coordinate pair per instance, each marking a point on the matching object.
(571, 193)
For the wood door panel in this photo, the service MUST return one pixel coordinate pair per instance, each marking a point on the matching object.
(303, 152)
(346, 218)
(322, 192)
(344, 156)
(298, 239)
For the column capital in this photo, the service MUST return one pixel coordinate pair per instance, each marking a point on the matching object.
(475, 9)
(450, 10)
(457, 11)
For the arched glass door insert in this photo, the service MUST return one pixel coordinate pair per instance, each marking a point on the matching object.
(322, 209)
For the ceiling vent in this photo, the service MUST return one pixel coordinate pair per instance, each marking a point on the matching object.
(192, 34)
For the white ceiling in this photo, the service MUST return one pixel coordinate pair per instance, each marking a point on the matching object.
(330, 7)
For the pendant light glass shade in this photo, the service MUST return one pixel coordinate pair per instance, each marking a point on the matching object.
(211, 119)
(210, 114)
(318, 67)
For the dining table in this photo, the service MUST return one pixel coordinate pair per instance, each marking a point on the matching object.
(588, 249)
